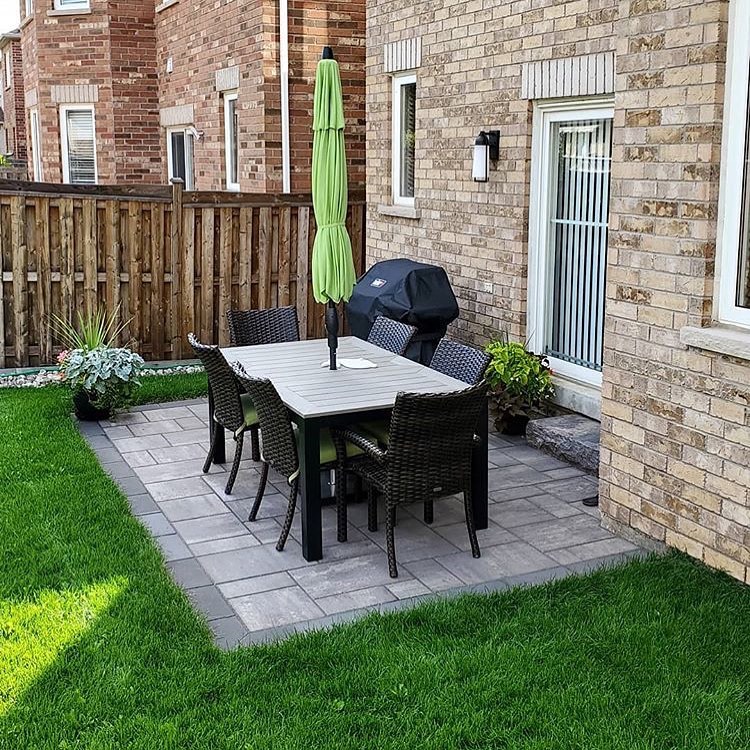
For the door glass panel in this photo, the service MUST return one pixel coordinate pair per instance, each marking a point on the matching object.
(178, 155)
(580, 154)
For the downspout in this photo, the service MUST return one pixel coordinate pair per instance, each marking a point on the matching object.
(284, 75)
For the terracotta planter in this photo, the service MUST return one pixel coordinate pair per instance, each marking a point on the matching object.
(86, 411)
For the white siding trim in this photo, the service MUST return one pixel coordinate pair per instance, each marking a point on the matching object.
(588, 75)
(179, 115)
(405, 54)
(75, 94)
(228, 79)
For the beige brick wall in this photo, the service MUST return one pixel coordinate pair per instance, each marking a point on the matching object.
(469, 80)
(676, 422)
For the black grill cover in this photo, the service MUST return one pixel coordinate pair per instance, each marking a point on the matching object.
(407, 291)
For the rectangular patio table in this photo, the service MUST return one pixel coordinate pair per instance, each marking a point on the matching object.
(318, 397)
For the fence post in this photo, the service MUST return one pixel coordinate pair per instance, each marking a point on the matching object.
(176, 251)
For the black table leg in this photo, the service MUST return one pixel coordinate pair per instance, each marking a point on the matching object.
(479, 468)
(309, 459)
(220, 453)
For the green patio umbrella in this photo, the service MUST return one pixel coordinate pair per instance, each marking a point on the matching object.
(332, 264)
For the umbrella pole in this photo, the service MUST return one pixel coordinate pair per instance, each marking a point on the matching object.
(332, 327)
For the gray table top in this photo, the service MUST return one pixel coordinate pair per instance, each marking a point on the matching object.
(310, 390)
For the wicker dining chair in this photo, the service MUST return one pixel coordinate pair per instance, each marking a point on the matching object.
(280, 451)
(272, 326)
(391, 335)
(460, 361)
(423, 462)
(232, 409)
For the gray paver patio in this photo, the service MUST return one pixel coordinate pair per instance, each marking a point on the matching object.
(248, 592)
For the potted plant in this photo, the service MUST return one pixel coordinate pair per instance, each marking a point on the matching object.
(520, 384)
(102, 376)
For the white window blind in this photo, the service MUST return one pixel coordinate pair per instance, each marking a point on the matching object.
(580, 207)
(81, 147)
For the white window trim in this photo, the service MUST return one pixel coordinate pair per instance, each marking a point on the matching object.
(233, 186)
(545, 113)
(732, 166)
(36, 145)
(72, 5)
(189, 174)
(399, 80)
(64, 108)
(28, 8)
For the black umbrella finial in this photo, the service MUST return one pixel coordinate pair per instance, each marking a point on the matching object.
(327, 53)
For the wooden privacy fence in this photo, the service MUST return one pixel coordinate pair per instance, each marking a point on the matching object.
(170, 261)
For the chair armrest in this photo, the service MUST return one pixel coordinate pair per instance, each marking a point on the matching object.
(370, 447)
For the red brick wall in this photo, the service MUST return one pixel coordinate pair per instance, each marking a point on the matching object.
(122, 46)
(135, 90)
(112, 48)
(15, 121)
(200, 41)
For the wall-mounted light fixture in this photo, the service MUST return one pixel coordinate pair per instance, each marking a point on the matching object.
(486, 147)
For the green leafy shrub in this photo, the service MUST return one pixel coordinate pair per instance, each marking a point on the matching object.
(520, 382)
(102, 376)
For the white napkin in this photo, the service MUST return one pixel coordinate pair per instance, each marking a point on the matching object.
(358, 363)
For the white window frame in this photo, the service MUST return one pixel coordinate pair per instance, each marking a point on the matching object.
(29, 8)
(186, 130)
(233, 186)
(64, 109)
(8, 67)
(732, 167)
(538, 312)
(36, 144)
(72, 5)
(399, 80)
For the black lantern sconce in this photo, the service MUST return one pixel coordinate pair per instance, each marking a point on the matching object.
(486, 147)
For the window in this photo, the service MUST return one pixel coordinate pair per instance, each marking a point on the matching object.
(180, 156)
(29, 8)
(231, 141)
(404, 124)
(71, 4)
(78, 140)
(733, 254)
(36, 144)
(7, 69)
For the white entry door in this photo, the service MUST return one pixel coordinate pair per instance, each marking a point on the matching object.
(569, 210)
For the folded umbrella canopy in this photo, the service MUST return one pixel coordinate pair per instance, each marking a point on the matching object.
(332, 264)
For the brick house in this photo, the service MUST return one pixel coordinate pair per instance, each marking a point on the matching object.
(142, 91)
(12, 119)
(611, 231)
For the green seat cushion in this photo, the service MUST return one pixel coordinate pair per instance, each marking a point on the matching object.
(248, 410)
(328, 449)
(379, 429)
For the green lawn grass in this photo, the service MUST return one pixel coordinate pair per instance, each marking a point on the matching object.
(99, 650)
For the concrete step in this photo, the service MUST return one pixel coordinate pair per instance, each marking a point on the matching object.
(572, 438)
